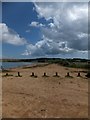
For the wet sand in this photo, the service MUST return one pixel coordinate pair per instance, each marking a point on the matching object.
(45, 97)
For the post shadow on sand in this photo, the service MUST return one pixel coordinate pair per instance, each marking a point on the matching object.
(33, 75)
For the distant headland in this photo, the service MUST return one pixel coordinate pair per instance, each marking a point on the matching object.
(74, 62)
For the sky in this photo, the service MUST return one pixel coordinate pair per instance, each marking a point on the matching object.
(44, 29)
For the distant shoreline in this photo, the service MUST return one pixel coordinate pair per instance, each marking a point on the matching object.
(13, 65)
(73, 63)
(41, 59)
(33, 65)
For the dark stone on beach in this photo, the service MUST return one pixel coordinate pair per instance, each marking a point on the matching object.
(78, 85)
(59, 83)
(71, 81)
(43, 109)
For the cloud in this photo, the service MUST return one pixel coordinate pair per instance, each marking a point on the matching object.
(47, 47)
(28, 31)
(52, 25)
(10, 36)
(33, 24)
(66, 34)
(70, 23)
(47, 1)
(36, 24)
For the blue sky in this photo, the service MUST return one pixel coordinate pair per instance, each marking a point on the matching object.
(17, 16)
(31, 30)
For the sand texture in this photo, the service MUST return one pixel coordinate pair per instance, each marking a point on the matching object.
(45, 97)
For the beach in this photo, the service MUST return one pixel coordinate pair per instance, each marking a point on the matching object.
(44, 97)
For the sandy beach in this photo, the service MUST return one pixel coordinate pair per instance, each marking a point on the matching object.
(45, 97)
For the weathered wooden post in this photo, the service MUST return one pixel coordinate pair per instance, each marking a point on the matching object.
(56, 75)
(78, 74)
(32, 74)
(6, 74)
(68, 75)
(44, 75)
(19, 74)
(88, 75)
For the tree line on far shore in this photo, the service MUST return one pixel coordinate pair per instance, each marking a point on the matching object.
(75, 62)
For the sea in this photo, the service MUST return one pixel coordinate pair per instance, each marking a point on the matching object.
(7, 65)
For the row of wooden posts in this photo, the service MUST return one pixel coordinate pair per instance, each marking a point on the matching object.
(45, 75)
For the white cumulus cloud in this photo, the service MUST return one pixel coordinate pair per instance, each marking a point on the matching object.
(36, 24)
(10, 36)
(70, 21)
(66, 34)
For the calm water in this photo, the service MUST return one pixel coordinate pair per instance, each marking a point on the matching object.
(7, 65)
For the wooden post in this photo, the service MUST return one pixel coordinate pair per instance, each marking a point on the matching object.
(19, 74)
(6, 74)
(68, 74)
(56, 74)
(32, 74)
(88, 75)
(44, 74)
(78, 74)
